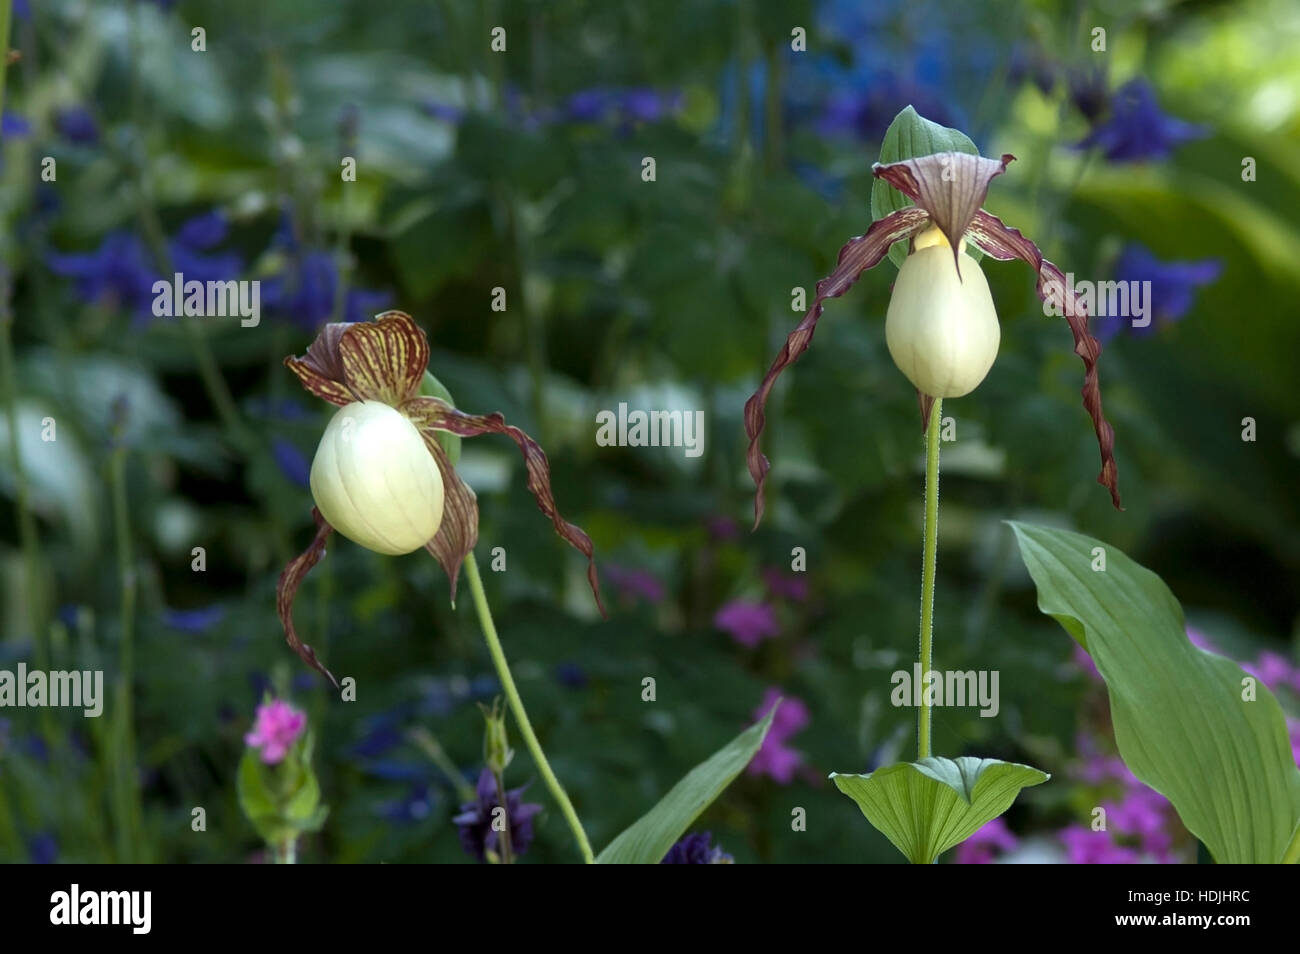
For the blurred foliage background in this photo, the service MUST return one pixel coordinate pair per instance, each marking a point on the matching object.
(523, 170)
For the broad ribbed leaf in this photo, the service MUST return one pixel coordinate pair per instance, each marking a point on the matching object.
(648, 839)
(1181, 722)
(908, 136)
(929, 806)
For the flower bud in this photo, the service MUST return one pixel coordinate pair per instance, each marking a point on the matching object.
(942, 331)
(375, 481)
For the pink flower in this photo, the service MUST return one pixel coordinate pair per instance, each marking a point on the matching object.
(992, 839)
(1084, 661)
(1083, 846)
(748, 623)
(1201, 641)
(277, 727)
(790, 586)
(774, 758)
(1273, 670)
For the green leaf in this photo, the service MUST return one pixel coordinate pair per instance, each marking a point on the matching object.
(929, 806)
(908, 136)
(1181, 722)
(647, 840)
(432, 387)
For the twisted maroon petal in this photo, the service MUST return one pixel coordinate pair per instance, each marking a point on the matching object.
(430, 413)
(287, 589)
(1002, 242)
(458, 533)
(857, 255)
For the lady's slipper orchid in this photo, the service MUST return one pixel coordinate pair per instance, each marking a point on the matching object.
(381, 476)
(941, 328)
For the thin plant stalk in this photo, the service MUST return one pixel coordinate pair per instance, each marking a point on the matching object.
(517, 707)
(929, 561)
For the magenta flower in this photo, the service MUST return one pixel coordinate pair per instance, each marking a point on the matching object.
(993, 838)
(634, 584)
(774, 758)
(790, 586)
(1083, 846)
(747, 622)
(277, 727)
(1273, 670)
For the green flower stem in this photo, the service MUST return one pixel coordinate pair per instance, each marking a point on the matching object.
(517, 707)
(930, 558)
(126, 787)
(286, 853)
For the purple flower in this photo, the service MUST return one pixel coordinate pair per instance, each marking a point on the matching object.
(634, 584)
(774, 758)
(748, 623)
(1137, 129)
(77, 125)
(695, 849)
(1172, 291)
(790, 586)
(276, 728)
(1083, 846)
(1143, 813)
(1088, 92)
(991, 840)
(1083, 659)
(291, 461)
(477, 836)
(1274, 670)
(722, 529)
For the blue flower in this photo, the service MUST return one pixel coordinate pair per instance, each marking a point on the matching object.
(42, 849)
(571, 675)
(11, 124)
(1137, 129)
(195, 620)
(291, 461)
(477, 835)
(1088, 92)
(1173, 287)
(305, 293)
(77, 125)
(121, 272)
(418, 805)
(695, 849)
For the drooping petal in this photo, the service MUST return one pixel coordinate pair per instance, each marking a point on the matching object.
(1002, 242)
(458, 533)
(287, 589)
(434, 413)
(320, 370)
(857, 255)
(384, 359)
(951, 186)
